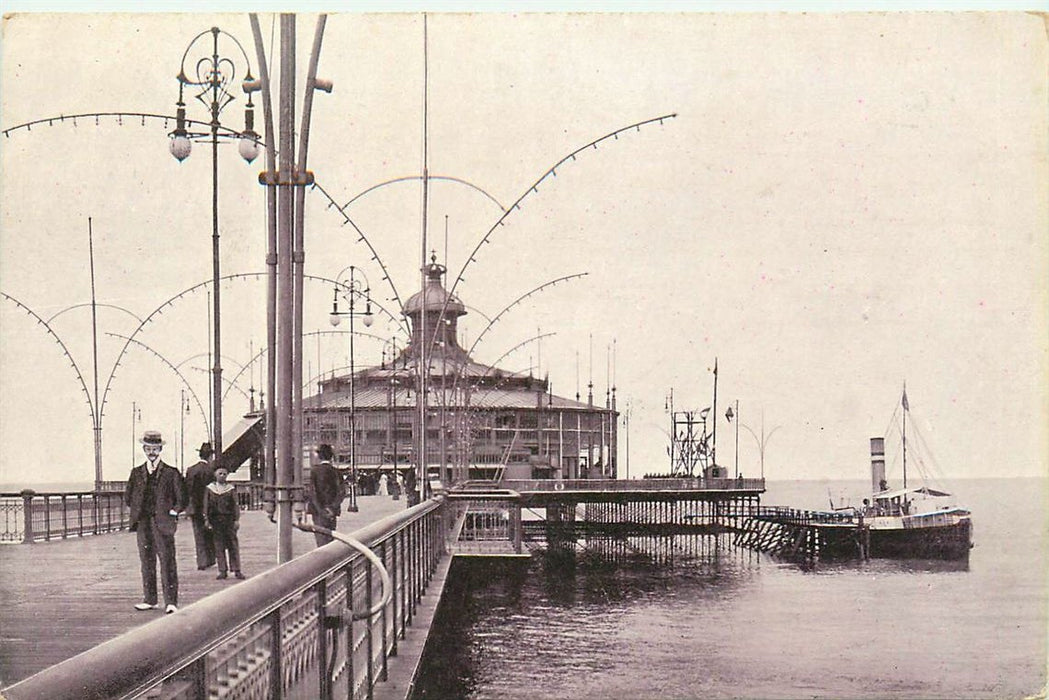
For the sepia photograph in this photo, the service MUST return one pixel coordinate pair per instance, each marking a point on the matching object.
(571, 350)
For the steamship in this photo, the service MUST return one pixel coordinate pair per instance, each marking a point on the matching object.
(911, 522)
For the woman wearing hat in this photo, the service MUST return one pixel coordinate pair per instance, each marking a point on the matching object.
(155, 494)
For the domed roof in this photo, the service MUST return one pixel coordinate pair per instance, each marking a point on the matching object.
(434, 295)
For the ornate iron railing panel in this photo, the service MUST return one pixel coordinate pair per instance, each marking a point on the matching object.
(287, 632)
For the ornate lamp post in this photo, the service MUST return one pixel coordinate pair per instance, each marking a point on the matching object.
(350, 291)
(762, 441)
(729, 415)
(210, 77)
(136, 417)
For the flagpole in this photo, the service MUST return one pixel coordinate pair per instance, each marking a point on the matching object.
(714, 437)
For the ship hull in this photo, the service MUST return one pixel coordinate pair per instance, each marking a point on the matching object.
(950, 542)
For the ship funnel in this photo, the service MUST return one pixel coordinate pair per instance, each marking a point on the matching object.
(877, 464)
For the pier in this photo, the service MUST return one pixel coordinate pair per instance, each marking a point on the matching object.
(803, 535)
(324, 624)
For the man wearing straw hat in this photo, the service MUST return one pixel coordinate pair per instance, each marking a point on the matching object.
(156, 495)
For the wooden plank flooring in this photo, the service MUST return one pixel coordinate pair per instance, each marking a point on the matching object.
(60, 598)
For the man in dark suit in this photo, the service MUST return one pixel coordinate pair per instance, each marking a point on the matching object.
(325, 495)
(156, 495)
(197, 478)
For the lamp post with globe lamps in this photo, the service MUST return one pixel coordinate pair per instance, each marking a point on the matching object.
(350, 291)
(210, 77)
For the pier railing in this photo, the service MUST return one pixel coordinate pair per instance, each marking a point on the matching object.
(310, 628)
(30, 516)
(661, 484)
(794, 516)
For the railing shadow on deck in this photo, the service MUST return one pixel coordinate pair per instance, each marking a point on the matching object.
(288, 632)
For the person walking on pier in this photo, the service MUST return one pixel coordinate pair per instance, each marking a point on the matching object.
(197, 479)
(222, 517)
(156, 495)
(325, 495)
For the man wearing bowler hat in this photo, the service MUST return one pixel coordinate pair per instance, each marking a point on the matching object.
(197, 479)
(156, 495)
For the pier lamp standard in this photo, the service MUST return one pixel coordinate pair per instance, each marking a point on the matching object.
(210, 79)
(729, 415)
(350, 291)
(762, 441)
(183, 412)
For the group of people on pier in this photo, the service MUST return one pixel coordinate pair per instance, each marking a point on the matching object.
(156, 495)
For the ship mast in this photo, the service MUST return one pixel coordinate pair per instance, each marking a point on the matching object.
(906, 408)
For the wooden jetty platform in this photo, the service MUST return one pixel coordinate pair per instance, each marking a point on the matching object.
(60, 598)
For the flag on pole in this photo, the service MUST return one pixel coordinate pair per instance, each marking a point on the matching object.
(906, 407)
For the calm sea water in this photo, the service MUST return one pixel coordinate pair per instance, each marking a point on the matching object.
(725, 623)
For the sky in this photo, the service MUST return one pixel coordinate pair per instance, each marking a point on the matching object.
(834, 205)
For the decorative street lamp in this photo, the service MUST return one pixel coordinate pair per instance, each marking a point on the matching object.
(762, 441)
(183, 412)
(210, 79)
(350, 291)
(136, 417)
(729, 415)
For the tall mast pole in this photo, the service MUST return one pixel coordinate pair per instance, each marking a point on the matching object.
(424, 367)
(270, 457)
(714, 430)
(96, 412)
(905, 409)
(285, 292)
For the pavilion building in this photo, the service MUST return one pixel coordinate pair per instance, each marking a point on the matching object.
(482, 422)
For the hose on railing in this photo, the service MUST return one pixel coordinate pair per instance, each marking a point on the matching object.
(384, 575)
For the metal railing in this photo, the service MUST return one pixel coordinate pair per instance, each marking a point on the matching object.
(292, 631)
(796, 516)
(30, 516)
(667, 484)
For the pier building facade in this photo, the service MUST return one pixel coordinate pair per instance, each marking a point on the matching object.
(482, 421)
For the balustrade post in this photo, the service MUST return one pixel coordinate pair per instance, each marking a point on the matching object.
(426, 526)
(369, 623)
(65, 519)
(384, 672)
(327, 623)
(80, 514)
(395, 578)
(27, 516)
(351, 642)
(276, 672)
(47, 518)
(515, 526)
(198, 671)
(409, 565)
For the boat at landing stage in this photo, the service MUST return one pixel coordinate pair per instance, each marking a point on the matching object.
(911, 522)
(917, 523)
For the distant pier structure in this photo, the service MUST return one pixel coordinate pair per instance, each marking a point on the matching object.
(653, 518)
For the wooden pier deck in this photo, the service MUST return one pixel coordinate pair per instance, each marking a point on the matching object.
(63, 597)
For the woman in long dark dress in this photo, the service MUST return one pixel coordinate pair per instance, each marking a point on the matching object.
(222, 517)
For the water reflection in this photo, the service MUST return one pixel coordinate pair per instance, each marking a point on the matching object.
(505, 620)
